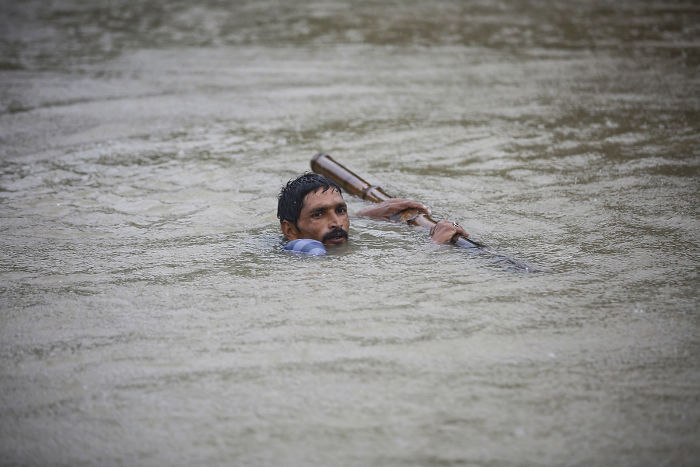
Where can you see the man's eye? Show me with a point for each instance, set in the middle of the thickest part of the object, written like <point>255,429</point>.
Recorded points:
<point>342,210</point>
<point>316,215</point>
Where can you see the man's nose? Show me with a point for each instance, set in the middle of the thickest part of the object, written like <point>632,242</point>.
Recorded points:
<point>335,220</point>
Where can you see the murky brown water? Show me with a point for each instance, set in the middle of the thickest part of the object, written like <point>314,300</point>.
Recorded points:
<point>148,317</point>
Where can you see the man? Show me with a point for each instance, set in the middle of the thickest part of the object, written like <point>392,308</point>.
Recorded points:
<point>313,215</point>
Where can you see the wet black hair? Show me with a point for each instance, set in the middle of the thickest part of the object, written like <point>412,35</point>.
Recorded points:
<point>291,198</point>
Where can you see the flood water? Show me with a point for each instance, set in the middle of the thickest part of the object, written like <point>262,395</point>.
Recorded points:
<point>149,317</point>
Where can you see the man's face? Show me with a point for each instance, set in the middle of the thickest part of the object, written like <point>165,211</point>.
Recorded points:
<point>323,217</point>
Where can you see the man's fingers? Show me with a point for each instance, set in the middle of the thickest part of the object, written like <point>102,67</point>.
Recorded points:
<point>448,230</point>
<point>408,204</point>
<point>422,207</point>
<point>459,233</point>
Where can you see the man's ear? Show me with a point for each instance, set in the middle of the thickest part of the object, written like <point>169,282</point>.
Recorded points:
<point>290,231</point>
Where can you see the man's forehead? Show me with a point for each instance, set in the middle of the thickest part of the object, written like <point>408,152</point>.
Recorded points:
<point>331,195</point>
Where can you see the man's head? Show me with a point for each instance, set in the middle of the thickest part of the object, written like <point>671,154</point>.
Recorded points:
<point>311,206</point>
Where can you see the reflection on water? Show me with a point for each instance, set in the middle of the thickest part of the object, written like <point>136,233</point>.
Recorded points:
<point>149,315</point>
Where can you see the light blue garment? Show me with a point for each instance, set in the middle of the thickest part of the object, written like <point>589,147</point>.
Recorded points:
<point>306,246</point>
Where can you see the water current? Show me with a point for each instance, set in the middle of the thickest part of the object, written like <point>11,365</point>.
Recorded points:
<point>149,317</point>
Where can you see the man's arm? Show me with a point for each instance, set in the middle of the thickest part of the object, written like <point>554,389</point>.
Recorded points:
<point>388,208</point>
<point>443,232</point>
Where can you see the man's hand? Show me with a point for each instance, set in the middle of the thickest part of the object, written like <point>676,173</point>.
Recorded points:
<point>447,232</point>
<point>388,208</point>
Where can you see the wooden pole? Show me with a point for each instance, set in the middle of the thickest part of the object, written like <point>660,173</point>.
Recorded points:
<point>352,183</point>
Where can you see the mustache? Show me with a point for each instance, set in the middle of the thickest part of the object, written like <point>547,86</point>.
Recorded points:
<point>337,232</point>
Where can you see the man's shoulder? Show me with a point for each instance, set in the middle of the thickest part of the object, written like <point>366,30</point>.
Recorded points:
<point>307,246</point>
